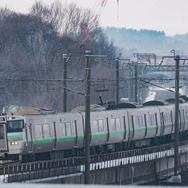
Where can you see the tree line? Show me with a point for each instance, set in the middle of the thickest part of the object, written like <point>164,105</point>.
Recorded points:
<point>147,41</point>
<point>31,49</point>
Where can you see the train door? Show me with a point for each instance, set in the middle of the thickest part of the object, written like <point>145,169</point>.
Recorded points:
<point>55,135</point>
<point>173,122</point>
<point>139,126</point>
<point>146,125</point>
<point>108,130</point>
<point>166,120</point>
<point>69,131</point>
<point>76,134</point>
<point>152,124</point>
<point>131,128</point>
<point>29,137</point>
<point>186,117</point>
<point>157,125</point>
<point>3,137</point>
<point>162,123</point>
<point>181,120</point>
<point>125,132</point>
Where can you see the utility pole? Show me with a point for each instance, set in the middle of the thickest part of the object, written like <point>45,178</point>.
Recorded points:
<point>176,178</point>
<point>65,57</point>
<point>87,132</point>
<point>87,117</point>
<point>176,144</point>
<point>130,84</point>
<point>117,82</point>
<point>135,82</point>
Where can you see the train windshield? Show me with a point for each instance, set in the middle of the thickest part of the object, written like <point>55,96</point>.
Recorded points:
<point>15,126</point>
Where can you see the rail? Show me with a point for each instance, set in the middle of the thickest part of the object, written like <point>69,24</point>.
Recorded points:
<point>71,166</point>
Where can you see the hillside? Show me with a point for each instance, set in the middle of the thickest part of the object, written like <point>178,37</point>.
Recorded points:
<point>147,41</point>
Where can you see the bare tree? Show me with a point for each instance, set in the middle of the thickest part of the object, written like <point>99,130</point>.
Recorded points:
<point>31,48</point>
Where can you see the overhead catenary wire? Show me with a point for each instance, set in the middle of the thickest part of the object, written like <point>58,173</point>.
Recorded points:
<point>71,64</point>
<point>79,92</point>
<point>94,82</point>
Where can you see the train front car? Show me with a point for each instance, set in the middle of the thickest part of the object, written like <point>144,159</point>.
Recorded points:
<point>12,137</point>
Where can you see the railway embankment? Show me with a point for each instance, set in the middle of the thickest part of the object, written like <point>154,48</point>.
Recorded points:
<point>141,166</point>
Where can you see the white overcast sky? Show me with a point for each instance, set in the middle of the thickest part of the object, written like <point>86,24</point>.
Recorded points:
<point>170,16</point>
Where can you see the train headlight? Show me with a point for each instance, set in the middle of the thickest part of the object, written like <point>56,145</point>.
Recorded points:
<point>10,118</point>
<point>14,143</point>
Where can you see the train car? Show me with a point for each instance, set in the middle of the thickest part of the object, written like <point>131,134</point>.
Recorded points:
<point>183,120</point>
<point>12,137</point>
<point>52,136</point>
<point>144,125</point>
<point>167,121</point>
<point>183,117</point>
<point>107,129</point>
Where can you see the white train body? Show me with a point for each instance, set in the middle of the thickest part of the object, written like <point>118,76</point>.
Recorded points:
<point>62,135</point>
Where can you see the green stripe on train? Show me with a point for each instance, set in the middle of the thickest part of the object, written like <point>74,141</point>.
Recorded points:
<point>65,139</point>
<point>50,140</point>
<point>15,136</point>
<point>151,128</point>
<point>99,135</point>
<point>80,138</point>
<point>116,133</point>
<point>44,141</point>
<point>69,139</point>
<point>143,129</point>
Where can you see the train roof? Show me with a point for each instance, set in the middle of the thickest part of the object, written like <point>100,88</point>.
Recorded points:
<point>155,103</point>
<point>93,107</point>
<point>33,111</point>
<point>172,100</point>
<point>128,105</point>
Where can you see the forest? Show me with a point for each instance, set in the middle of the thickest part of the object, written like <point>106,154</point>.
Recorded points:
<point>31,57</point>
<point>146,41</point>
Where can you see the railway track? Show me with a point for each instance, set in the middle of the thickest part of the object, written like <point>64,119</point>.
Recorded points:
<point>4,163</point>
<point>128,153</point>
<point>18,172</point>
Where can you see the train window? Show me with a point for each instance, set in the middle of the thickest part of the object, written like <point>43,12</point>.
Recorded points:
<point>167,118</point>
<point>14,126</point>
<point>1,132</point>
<point>139,121</point>
<point>173,117</point>
<point>180,119</point>
<point>67,129</point>
<point>113,124</point>
<point>183,119</point>
<point>66,126</point>
<point>116,124</point>
<point>61,129</point>
<point>98,126</point>
<point>37,132</point>
<point>101,125</point>
<point>152,120</point>
<point>186,113</point>
<point>95,126</point>
<point>46,130</point>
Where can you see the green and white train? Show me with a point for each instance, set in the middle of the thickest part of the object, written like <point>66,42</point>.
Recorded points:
<point>53,136</point>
